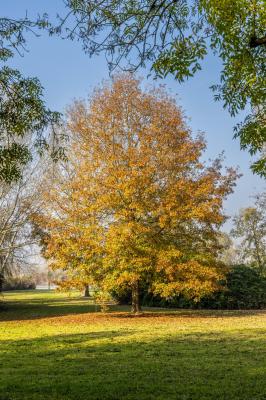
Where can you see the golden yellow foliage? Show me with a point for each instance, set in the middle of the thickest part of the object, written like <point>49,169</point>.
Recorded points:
<point>137,204</point>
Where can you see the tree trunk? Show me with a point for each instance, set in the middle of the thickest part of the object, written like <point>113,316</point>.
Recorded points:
<point>86,291</point>
<point>257,250</point>
<point>136,308</point>
<point>1,282</point>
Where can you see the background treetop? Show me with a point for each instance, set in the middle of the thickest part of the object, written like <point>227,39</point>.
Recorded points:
<point>250,228</point>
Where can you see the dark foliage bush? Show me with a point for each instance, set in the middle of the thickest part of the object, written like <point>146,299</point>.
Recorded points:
<point>243,288</point>
<point>24,283</point>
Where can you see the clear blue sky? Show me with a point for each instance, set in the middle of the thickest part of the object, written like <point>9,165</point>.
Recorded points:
<point>67,73</point>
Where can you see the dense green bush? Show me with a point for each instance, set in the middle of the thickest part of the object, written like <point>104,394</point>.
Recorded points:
<point>243,288</point>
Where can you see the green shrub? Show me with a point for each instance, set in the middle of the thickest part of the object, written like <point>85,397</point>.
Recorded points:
<point>243,288</point>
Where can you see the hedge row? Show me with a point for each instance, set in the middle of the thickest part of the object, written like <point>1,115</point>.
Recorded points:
<point>243,288</point>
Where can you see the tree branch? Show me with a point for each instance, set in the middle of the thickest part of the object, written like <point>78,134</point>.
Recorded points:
<point>256,42</point>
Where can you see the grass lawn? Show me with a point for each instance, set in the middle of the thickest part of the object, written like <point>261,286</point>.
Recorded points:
<point>58,347</point>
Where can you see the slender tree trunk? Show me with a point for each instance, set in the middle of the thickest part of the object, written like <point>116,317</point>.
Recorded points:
<point>86,291</point>
<point>257,250</point>
<point>49,278</point>
<point>1,281</point>
<point>136,308</point>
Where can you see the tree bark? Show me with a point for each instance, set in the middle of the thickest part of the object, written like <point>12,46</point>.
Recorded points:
<point>136,307</point>
<point>257,248</point>
<point>1,282</point>
<point>256,42</point>
<point>86,291</point>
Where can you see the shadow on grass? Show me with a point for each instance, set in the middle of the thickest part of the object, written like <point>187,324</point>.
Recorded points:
<point>189,313</point>
<point>43,307</point>
<point>31,308</point>
<point>114,365</point>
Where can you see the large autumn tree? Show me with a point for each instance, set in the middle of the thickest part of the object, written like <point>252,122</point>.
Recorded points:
<point>135,203</point>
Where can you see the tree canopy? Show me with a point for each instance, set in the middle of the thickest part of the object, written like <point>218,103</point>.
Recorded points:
<point>22,107</point>
<point>174,36</point>
<point>250,227</point>
<point>135,203</point>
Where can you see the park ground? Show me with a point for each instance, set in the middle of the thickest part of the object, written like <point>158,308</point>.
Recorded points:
<point>59,347</point>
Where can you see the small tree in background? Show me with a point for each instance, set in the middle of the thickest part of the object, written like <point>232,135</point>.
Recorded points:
<point>139,205</point>
<point>18,201</point>
<point>250,227</point>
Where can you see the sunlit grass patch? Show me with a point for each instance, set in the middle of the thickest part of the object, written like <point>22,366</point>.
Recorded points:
<point>59,347</point>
